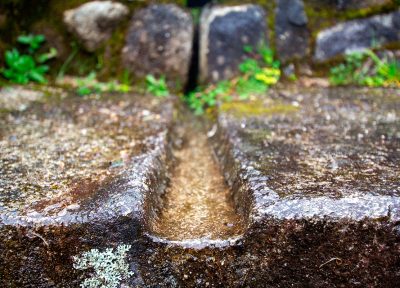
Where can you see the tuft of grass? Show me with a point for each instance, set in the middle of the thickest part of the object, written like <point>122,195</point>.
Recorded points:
<point>365,68</point>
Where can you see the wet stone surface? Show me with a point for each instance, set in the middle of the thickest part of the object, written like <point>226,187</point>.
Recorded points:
<point>197,204</point>
<point>326,146</point>
<point>56,155</point>
<point>326,227</point>
<point>313,175</point>
<point>76,173</point>
<point>317,174</point>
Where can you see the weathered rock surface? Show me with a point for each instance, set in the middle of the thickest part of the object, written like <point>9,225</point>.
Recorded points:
<point>159,42</point>
<point>291,31</point>
<point>18,98</point>
<point>314,175</point>
<point>94,22</point>
<point>76,174</point>
<point>224,31</point>
<point>357,35</point>
<point>317,174</point>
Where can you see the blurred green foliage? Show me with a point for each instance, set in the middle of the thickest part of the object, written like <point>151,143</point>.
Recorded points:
<point>157,87</point>
<point>365,68</point>
<point>89,85</point>
<point>22,68</point>
<point>257,73</point>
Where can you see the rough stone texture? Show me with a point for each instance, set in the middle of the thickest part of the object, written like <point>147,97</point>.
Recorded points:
<point>335,220</point>
<point>159,42</point>
<point>76,174</point>
<point>332,144</point>
<point>291,32</point>
<point>317,174</point>
<point>358,34</point>
<point>94,22</point>
<point>224,31</point>
<point>313,172</point>
<point>18,98</point>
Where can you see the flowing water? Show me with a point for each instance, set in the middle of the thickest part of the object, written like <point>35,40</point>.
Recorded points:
<point>197,203</point>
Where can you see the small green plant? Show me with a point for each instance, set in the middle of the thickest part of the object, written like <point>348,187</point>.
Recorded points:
<point>89,85</point>
<point>156,87</point>
<point>196,13</point>
<point>200,98</point>
<point>109,267</point>
<point>22,68</point>
<point>258,73</point>
<point>65,65</point>
<point>365,68</point>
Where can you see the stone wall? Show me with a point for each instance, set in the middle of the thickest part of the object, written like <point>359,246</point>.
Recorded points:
<point>307,33</point>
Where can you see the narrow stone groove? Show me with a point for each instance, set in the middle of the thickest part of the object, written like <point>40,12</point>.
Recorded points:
<point>197,204</point>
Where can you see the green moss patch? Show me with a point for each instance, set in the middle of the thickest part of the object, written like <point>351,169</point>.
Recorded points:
<point>257,108</point>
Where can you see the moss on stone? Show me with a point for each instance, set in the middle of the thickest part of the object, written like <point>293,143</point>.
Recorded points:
<point>322,16</point>
<point>257,108</point>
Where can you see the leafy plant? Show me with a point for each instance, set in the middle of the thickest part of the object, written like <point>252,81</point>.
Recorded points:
<point>201,98</point>
<point>33,41</point>
<point>109,267</point>
<point>366,69</point>
<point>258,72</point>
<point>156,87</point>
<point>22,68</point>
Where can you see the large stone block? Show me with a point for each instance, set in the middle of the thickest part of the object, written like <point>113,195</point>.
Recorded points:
<point>159,42</point>
<point>313,173</point>
<point>76,174</point>
<point>94,22</point>
<point>224,31</point>
<point>291,32</point>
<point>357,35</point>
<point>317,174</point>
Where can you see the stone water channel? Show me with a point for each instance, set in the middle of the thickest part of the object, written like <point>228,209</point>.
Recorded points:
<point>198,204</point>
<point>300,188</point>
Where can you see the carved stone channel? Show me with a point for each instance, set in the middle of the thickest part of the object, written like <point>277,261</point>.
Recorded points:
<point>198,206</point>
<point>312,191</point>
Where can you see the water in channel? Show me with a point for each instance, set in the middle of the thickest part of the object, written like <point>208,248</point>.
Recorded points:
<point>197,203</point>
